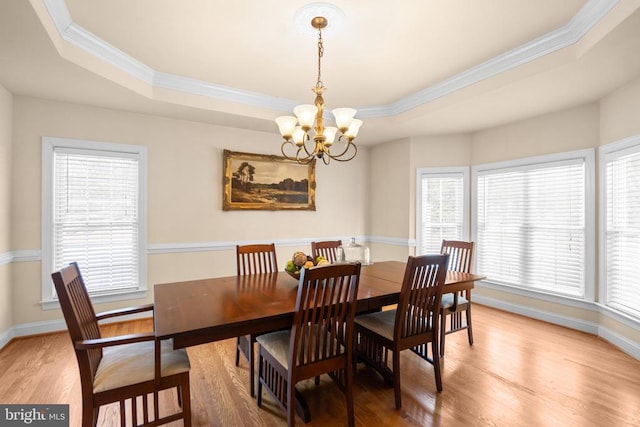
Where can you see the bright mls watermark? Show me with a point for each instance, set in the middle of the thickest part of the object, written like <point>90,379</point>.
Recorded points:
<point>35,415</point>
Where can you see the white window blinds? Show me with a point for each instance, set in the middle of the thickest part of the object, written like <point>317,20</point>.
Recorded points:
<point>442,210</point>
<point>96,217</point>
<point>622,229</point>
<point>531,225</point>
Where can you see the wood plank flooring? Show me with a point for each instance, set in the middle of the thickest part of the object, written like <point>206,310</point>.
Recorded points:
<point>519,372</point>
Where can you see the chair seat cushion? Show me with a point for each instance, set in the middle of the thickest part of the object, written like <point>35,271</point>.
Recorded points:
<point>278,343</point>
<point>381,322</point>
<point>128,364</point>
<point>447,300</point>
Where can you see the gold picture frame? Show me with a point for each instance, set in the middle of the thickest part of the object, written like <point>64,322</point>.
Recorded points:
<point>267,182</point>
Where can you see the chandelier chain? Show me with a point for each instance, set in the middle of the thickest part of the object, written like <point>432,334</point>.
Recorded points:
<point>320,54</point>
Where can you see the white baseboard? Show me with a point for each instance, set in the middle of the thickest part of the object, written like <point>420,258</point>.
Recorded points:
<point>629,347</point>
<point>49,326</point>
<point>5,337</point>
<point>35,328</point>
<point>556,319</point>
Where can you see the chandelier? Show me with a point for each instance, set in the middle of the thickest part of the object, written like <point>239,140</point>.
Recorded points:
<point>296,130</point>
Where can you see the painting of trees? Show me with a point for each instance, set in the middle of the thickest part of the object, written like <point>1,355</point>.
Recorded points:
<point>243,177</point>
<point>255,181</point>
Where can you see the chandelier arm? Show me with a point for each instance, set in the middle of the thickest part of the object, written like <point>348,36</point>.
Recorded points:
<point>302,160</point>
<point>346,148</point>
<point>307,139</point>
<point>338,158</point>
<point>282,148</point>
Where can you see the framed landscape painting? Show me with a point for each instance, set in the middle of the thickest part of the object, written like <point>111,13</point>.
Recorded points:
<point>265,182</point>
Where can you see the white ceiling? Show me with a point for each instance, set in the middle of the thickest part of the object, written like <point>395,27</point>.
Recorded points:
<point>411,67</point>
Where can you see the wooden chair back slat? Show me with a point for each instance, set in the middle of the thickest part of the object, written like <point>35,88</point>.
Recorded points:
<point>418,307</point>
<point>79,316</point>
<point>460,254</point>
<point>327,249</point>
<point>325,308</point>
<point>461,257</point>
<point>256,259</point>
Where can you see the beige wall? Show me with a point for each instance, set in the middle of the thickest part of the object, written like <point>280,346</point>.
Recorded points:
<point>6,101</point>
<point>390,194</point>
<point>184,193</point>
<point>435,152</point>
<point>568,130</point>
<point>620,112</point>
<point>393,187</point>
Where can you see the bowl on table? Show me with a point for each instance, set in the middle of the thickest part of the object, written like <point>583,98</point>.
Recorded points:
<point>300,260</point>
<point>294,274</point>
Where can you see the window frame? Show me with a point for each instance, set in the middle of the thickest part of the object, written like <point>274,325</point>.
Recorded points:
<point>463,171</point>
<point>588,156</point>
<point>611,151</point>
<point>49,145</point>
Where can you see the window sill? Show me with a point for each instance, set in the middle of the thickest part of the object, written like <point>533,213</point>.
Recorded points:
<point>53,304</point>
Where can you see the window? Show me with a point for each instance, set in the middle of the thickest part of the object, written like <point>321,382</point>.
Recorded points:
<point>94,214</point>
<point>534,223</point>
<point>442,207</point>
<point>620,225</point>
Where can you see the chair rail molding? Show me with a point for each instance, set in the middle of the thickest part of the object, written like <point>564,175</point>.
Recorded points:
<point>221,245</point>
<point>20,256</point>
<point>6,258</point>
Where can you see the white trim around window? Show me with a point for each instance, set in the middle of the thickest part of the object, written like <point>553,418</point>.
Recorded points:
<point>619,237</point>
<point>457,226</point>
<point>126,169</point>
<point>542,178</point>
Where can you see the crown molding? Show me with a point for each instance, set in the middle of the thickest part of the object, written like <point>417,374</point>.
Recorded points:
<point>592,12</point>
<point>59,14</point>
<point>102,50</point>
<point>563,37</point>
<point>227,93</point>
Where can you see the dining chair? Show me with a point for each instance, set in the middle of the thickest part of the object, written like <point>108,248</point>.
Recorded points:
<point>253,259</point>
<point>411,325</point>
<point>320,339</point>
<point>121,368</point>
<point>327,249</point>
<point>454,304</point>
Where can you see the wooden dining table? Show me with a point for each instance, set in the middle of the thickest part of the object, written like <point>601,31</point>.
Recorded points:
<point>201,311</point>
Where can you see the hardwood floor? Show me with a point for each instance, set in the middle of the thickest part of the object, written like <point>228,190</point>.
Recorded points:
<point>519,372</point>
